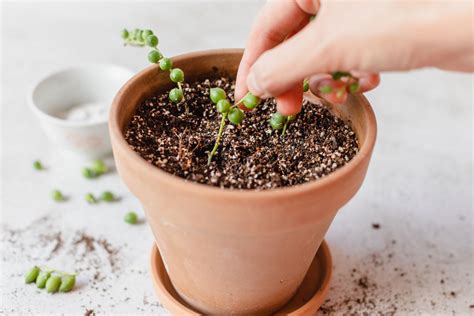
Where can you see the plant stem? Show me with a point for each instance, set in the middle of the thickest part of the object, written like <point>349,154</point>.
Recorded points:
<point>284,128</point>
<point>44,268</point>
<point>219,135</point>
<point>134,43</point>
<point>180,87</point>
<point>240,101</point>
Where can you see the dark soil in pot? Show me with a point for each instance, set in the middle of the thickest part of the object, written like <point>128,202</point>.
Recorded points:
<point>251,155</point>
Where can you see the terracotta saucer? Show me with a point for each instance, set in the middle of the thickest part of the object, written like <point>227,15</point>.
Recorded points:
<point>306,301</point>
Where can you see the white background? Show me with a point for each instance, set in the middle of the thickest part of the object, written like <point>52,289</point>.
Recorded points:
<point>418,188</point>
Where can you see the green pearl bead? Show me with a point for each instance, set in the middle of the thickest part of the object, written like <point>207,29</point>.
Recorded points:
<point>276,125</point>
<point>38,165</point>
<point>305,85</point>
<point>99,167</point>
<point>177,75</point>
<point>134,33</point>
<point>154,56</point>
<point>223,106</point>
<point>146,33</point>
<point>354,87</point>
<point>151,40</point>
<point>90,198</point>
<point>236,116</point>
<point>131,218</point>
<point>31,275</point>
<point>325,89</point>
<point>57,196</point>
<point>67,283</point>
<point>138,35</point>
<point>277,121</point>
<point>125,34</point>
<point>340,74</point>
<point>43,276</point>
<point>278,118</point>
<point>107,196</point>
<point>165,63</point>
<point>250,101</point>
<point>217,94</point>
<point>89,173</point>
<point>53,284</point>
<point>175,95</point>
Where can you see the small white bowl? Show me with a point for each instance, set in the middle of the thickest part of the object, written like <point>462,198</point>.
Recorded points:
<point>58,93</point>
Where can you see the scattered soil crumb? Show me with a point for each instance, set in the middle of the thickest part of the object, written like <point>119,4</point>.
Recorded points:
<point>86,240</point>
<point>89,312</point>
<point>84,244</point>
<point>375,225</point>
<point>363,282</point>
<point>45,242</point>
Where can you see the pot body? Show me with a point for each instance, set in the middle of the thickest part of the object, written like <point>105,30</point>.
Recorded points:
<point>230,252</point>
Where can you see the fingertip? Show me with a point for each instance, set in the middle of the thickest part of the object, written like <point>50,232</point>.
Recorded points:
<point>240,82</point>
<point>315,80</point>
<point>243,107</point>
<point>254,86</point>
<point>239,92</point>
<point>369,82</point>
<point>290,102</point>
<point>333,91</point>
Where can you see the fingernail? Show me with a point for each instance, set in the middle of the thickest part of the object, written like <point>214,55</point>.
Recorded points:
<point>255,88</point>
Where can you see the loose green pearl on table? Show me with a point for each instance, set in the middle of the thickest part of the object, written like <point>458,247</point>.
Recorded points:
<point>131,218</point>
<point>107,196</point>
<point>53,284</point>
<point>43,276</point>
<point>99,167</point>
<point>57,196</point>
<point>67,283</point>
<point>32,274</point>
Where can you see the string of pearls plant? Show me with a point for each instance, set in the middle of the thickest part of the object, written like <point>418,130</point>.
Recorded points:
<point>141,38</point>
<point>233,113</point>
<point>218,96</point>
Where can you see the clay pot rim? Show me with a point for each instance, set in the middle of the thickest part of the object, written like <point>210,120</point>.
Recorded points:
<point>208,190</point>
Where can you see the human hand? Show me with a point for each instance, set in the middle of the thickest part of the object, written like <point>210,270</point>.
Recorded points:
<point>363,37</point>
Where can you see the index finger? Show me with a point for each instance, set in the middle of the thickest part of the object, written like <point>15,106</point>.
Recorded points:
<point>274,23</point>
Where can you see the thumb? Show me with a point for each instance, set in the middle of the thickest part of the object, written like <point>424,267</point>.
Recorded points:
<point>283,67</point>
<point>291,101</point>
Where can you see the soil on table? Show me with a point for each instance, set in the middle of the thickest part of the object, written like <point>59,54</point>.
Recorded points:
<point>251,155</point>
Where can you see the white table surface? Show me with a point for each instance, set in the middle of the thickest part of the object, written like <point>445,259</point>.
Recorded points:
<point>418,188</point>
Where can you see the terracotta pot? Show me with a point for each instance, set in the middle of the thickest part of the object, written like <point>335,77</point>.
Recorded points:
<point>230,251</point>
